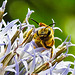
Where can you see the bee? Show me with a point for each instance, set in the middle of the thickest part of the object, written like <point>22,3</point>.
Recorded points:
<point>44,37</point>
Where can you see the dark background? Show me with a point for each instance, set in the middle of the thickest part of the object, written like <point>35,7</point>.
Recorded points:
<point>62,11</point>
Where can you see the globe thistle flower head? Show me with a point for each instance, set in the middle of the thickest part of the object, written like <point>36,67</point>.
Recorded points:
<point>25,53</point>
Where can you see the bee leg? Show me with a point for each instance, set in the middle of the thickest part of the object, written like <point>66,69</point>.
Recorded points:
<point>51,53</point>
<point>47,47</point>
<point>44,45</point>
<point>17,54</point>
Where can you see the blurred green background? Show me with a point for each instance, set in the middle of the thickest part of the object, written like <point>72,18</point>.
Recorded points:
<point>62,11</point>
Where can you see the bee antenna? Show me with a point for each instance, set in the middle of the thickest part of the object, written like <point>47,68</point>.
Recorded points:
<point>34,21</point>
<point>52,24</point>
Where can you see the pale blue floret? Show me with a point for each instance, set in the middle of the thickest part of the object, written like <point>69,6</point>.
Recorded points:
<point>25,64</point>
<point>2,44</point>
<point>3,6</point>
<point>28,15</point>
<point>27,46</point>
<point>52,68</point>
<point>11,24</point>
<point>16,67</point>
<point>9,46</point>
<point>66,71</point>
<point>33,63</point>
<point>2,58</point>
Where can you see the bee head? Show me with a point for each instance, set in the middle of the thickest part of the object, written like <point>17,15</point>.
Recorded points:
<point>43,33</point>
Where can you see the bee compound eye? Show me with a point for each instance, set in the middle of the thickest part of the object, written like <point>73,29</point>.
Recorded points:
<point>49,31</point>
<point>37,33</point>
